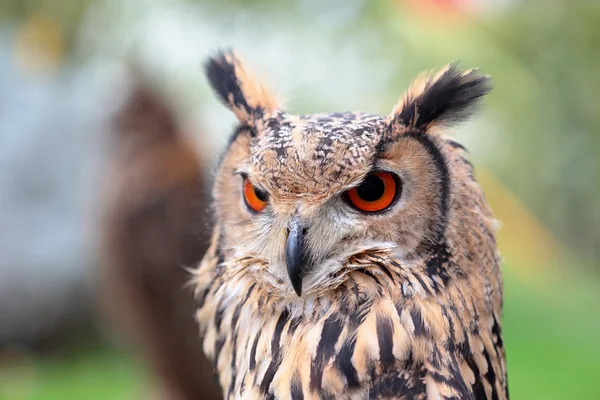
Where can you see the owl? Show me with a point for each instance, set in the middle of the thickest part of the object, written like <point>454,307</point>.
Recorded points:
<point>353,255</point>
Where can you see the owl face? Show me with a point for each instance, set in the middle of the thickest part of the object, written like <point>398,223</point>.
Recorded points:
<point>301,198</point>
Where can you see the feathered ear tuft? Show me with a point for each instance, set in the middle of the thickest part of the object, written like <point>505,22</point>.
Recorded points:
<point>447,97</point>
<point>238,88</point>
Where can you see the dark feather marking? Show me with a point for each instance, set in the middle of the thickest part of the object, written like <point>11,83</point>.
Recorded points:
<point>283,318</point>
<point>452,341</point>
<point>457,145</point>
<point>436,265</point>
<point>250,290</point>
<point>259,302</point>
<point>422,283</point>
<point>389,385</point>
<point>215,376</point>
<point>497,331</point>
<point>201,298</point>
<point>294,323</point>
<point>242,128</point>
<point>477,387</point>
<point>418,322</point>
<point>269,375</point>
<point>454,378</point>
<point>344,300</point>
<point>358,316</point>
<point>232,366</point>
<point>343,361</point>
<point>239,130</point>
<point>236,316</point>
<point>244,377</point>
<point>409,362</point>
<point>395,264</point>
<point>274,124</point>
<point>418,383</point>
<point>438,227</point>
<point>456,382</point>
<point>234,323</point>
<point>386,271</point>
<point>449,380</point>
<point>399,309</point>
<point>355,290</point>
<point>332,327</point>
<point>275,354</point>
<point>463,347</point>
<point>252,361</point>
<point>369,274</point>
<point>490,375</point>
<point>296,388</point>
<point>323,395</point>
<point>219,318</point>
<point>220,256</point>
<point>498,348</point>
<point>218,347</point>
<point>468,162</point>
<point>385,338</point>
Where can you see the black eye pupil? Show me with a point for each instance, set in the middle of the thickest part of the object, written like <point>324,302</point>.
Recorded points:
<point>261,194</point>
<point>371,189</point>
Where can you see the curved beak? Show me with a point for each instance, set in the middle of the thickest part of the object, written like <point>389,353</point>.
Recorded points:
<point>295,255</point>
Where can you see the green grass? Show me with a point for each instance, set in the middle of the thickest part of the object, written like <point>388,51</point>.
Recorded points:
<point>88,374</point>
<point>551,333</point>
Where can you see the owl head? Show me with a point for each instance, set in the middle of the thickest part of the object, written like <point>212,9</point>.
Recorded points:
<point>299,199</point>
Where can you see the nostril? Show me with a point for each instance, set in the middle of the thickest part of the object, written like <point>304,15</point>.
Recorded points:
<point>304,231</point>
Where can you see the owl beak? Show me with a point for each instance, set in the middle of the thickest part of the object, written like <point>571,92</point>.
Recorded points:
<point>295,256</point>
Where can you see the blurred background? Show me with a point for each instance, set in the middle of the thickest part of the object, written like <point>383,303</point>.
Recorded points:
<point>108,128</point>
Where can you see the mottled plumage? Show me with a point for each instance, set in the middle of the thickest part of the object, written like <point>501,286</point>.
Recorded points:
<point>404,303</point>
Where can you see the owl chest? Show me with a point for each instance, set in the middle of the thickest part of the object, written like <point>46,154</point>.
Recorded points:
<point>262,347</point>
<point>260,355</point>
<point>278,355</point>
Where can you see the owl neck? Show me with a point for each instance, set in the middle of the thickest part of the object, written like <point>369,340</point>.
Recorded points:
<point>222,282</point>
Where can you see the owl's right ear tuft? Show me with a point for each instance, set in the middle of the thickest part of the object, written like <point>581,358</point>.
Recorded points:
<point>444,98</point>
<point>247,97</point>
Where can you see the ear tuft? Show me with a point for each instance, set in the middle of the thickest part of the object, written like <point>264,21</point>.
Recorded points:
<point>447,97</point>
<point>237,88</point>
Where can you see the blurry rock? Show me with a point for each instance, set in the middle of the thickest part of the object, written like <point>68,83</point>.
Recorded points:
<point>153,226</point>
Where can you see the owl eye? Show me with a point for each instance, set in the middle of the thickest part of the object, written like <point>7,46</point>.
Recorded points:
<point>255,198</point>
<point>378,191</point>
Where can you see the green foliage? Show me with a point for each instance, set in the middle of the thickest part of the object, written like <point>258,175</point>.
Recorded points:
<point>551,336</point>
<point>89,373</point>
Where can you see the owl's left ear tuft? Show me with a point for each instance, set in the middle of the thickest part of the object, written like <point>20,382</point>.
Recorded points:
<point>247,97</point>
<point>450,96</point>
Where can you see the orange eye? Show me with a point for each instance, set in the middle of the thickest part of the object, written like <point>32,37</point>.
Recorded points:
<point>255,199</point>
<point>377,192</point>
